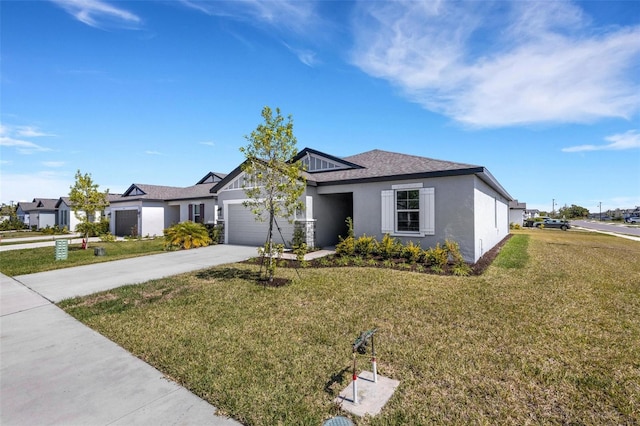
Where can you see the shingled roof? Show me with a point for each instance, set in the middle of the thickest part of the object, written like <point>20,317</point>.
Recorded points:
<point>383,165</point>
<point>378,165</point>
<point>141,191</point>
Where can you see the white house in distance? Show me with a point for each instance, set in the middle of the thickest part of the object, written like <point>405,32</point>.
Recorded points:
<point>149,209</point>
<point>516,212</point>
<point>67,218</point>
<point>412,198</point>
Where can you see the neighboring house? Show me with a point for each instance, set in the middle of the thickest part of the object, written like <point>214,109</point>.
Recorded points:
<point>517,212</point>
<point>531,213</point>
<point>149,209</point>
<point>22,211</point>
<point>412,198</point>
<point>39,213</point>
<point>67,218</point>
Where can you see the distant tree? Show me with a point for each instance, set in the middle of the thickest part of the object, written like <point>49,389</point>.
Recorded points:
<point>573,212</point>
<point>273,183</point>
<point>86,200</point>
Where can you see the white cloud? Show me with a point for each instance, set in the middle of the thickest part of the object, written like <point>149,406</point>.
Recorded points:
<point>306,56</point>
<point>30,132</point>
<point>618,142</point>
<point>297,16</point>
<point>23,147</point>
<point>148,152</point>
<point>12,137</point>
<point>285,17</point>
<point>208,143</point>
<point>501,64</point>
<point>99,14</point>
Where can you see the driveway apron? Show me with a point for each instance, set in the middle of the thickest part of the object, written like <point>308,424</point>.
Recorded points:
<point>54,370</point>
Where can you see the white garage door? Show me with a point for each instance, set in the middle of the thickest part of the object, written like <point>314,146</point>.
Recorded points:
<point>245,230</point>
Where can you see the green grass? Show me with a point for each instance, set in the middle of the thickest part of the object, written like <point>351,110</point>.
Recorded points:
<point>514,254</point>
<point>29,261</point>
<point>551,340</point>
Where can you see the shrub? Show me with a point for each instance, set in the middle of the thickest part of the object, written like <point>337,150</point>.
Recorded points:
<point>215,232</point>
<point>437,257</point>
<point>365,245</point>
<point>186,235</point>
<point>346,246</point>
<point>453,251</point>
<point>389,247</point>
<point>412,252</point>
<point>108,237</point>
<point>299,244</point>
<point>461,269</point>
<point>514,225</point>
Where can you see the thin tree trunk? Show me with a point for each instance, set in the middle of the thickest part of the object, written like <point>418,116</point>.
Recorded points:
<point>270,245</point>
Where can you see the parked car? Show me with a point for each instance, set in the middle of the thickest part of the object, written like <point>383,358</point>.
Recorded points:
<point>632,219</point>
<point>554,223</point>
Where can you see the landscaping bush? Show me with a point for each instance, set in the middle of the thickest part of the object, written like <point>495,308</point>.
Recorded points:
<point>412,252</point>
<point>437,257</point>
<point>389,247</point>
<point>365,245</point>
<point>186,235</point>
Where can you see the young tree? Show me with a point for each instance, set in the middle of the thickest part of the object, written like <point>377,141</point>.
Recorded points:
<point>273,183</point>
<point>86,200</point>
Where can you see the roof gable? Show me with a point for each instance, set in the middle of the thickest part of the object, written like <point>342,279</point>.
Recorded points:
<point>316,161</point>
<point>211,177</point>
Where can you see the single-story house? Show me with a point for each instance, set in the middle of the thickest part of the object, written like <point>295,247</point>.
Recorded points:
<point>516,212</point>
<point>149,209</point>
<point>412,198</point>
<point>67,218</point>
<point>41,212</point>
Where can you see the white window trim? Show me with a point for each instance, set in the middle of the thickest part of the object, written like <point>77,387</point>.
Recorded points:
<point>427,211</point>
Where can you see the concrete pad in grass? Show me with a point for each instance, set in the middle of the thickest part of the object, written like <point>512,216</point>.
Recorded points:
<point>372,396</point>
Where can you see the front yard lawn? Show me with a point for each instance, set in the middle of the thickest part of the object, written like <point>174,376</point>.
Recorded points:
<point>547,335</point>
<point>30,261</point>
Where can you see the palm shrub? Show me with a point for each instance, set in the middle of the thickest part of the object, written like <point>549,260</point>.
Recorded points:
<point>186,235</point>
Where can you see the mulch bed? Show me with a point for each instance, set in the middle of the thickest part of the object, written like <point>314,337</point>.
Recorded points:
<point>331,261</point>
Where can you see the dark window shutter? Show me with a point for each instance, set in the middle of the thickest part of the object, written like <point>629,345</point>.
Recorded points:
<point>191,212</point>
<point>201,213</point>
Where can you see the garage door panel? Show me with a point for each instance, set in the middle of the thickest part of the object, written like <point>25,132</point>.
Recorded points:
<point>125,221</point>
<point>243,229</point>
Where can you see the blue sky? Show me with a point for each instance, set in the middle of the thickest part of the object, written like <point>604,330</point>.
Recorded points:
<point>542,93</point>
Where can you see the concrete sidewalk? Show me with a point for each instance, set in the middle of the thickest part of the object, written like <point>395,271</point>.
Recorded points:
<point>54,370</point>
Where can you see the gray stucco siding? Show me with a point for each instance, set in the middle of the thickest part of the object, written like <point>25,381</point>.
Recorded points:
<point>453,211</point>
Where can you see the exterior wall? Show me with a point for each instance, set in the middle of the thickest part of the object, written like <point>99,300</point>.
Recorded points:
<point>516,216</point>
<point>453,210</point>
<point>66,217</point>
<point>210,210</point>
<point>42,219</point>
<point>491,218</point>
<point>152,218</point>
<point>22,215</point>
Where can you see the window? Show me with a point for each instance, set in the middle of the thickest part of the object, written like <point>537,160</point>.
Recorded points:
<point>196,213</point>
<point>408,209</point>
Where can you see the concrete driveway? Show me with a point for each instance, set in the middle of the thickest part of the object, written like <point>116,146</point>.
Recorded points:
<point>54,370</point>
